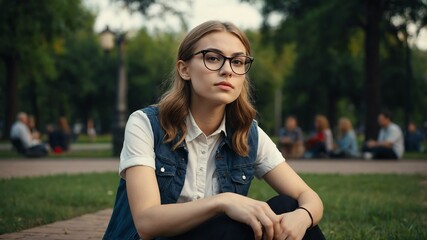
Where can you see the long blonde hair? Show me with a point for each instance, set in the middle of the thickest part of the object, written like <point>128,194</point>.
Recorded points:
<point>345,125</point>
<point>175,103</point>
<point>322,123</point>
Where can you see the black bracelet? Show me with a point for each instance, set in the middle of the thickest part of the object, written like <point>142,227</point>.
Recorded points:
<point>309,214</point>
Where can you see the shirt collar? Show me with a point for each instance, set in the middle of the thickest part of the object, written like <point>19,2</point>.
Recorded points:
<point>193,131</point>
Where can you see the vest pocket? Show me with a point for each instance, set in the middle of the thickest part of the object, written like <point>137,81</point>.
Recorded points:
<point>165,171</point>
<point>241,177</point>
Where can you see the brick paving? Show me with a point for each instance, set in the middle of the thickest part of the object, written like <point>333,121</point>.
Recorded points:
<point>39,167</point>
<point>92,226</point>
<point>89,226</point>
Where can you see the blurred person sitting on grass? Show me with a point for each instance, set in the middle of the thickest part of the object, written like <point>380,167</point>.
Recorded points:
<point>22,139</point>
<point>321,143</point>
<point>413,138</point>
<point>187,163</point>
<point>59,138</point>
<point>390,143</point>
<point>346,145</point>
<point>35,134</point>
<point>291,139</point>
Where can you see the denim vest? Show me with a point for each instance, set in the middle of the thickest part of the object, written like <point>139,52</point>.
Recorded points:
<point>234,174</point>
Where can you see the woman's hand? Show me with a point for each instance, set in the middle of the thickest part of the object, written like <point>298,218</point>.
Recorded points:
<point>294,225</point>
<point>256,214</point>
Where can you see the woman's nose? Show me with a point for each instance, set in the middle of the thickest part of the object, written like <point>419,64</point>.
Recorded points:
<point>226,70</point>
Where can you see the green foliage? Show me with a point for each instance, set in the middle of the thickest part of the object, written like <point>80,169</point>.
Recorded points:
<point>32,33</point>
<point>315,57</point>
<point>151,61</point>
<point>330,70</point>
<point>266,76</point>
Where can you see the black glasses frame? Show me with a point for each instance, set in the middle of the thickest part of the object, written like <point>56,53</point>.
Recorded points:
<point>251,60</point>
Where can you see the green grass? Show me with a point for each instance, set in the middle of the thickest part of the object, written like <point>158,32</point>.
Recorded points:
<point>105,138</point>
<point>415,155</point>
<point>366,206</point>
<point>356,207</point>
<point>29,202</point>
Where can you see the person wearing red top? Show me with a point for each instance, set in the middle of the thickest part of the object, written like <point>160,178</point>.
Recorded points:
<point>321,143</point>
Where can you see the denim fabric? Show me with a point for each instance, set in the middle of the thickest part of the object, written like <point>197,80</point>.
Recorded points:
<point>234,173</point>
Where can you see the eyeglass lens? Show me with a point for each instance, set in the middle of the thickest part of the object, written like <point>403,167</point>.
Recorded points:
<point>239,64</point>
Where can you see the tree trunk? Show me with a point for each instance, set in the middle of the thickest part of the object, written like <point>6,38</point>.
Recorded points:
<point>332,110</point>
<point>11,93</point>
<point>372,68</point>
<point>34,104</point>
<point>408,110</point>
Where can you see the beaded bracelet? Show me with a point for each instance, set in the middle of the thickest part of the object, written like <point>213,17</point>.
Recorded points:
<point>309,214</point>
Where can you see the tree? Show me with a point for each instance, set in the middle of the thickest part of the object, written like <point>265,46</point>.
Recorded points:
<point>28,29</point>
<point>331,23</point>
<point>163,8</point>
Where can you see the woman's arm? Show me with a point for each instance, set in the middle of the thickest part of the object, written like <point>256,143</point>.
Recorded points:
<point>153,219</point>
<point>285,181</point>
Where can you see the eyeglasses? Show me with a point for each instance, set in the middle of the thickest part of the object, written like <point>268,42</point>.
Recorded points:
<point>214,61</point>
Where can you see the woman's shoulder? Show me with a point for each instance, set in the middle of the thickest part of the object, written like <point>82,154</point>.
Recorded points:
<point>150,110</point>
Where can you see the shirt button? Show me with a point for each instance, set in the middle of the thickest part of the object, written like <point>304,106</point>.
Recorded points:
<point>162,169</point>
<point>201,169</point>
<point>203,152</point>
<point>244,177</point>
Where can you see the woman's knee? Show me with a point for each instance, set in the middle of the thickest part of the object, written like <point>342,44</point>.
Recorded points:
<point>282,204</point>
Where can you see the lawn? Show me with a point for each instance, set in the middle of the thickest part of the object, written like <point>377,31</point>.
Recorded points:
<point>356,206</point>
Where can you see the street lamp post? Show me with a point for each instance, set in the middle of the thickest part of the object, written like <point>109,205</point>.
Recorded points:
<point>107,39</point>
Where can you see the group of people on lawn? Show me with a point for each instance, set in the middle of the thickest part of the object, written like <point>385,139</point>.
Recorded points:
<point>26,139</point>
<point>390,144</point>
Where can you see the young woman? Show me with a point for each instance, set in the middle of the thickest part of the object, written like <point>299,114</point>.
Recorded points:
<point>321,143</point>
<point>187,163</point>
<point>346,146</point>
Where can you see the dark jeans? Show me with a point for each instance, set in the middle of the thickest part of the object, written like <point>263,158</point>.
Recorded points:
<point>381,152</point>
<point>224,228</point>
<point>318,150</point>
<point>31,152</point>
<point>59,139</point>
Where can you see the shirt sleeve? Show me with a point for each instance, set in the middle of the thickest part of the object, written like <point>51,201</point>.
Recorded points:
<point>394,134</point>
<point>300,136</point>
<point>268,156</point>
<point>138,145</point>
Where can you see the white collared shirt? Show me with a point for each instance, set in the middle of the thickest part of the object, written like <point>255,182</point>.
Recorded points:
<point>200,179</point>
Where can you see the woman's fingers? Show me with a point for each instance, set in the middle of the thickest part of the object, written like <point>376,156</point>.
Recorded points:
<point>257,228</point>
<point>267,224</point>
<point>256,214</point>
<point>270,221</point>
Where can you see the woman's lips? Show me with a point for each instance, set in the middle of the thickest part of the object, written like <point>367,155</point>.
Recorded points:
<point>225,85</point>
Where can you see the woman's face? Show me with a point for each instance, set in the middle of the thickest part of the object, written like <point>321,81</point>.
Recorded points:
<point>214,87</point>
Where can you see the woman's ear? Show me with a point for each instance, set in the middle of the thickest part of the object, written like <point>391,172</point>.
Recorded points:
<point>183,70</point>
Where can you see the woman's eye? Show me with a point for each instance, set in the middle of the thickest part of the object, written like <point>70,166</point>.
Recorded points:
<point>237,62</point>
<point>212,59</point>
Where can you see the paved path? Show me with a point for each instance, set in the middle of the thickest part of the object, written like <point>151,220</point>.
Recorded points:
<point>89,226</point>
<point>39,167</point>
<point>92,226</point>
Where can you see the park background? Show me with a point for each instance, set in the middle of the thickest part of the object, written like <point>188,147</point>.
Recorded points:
<point>338,58</point>
<point>349,58</point>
